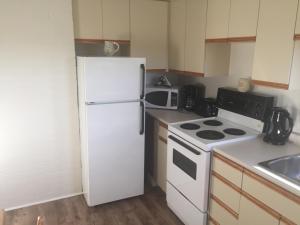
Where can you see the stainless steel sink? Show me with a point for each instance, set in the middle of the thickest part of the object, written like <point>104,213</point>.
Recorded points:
<point>287,167</point>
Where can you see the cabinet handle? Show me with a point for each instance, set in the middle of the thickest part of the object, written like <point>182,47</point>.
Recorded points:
<point>184,145</point>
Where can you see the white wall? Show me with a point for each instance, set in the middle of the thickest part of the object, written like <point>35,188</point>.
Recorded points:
<point>39,134</point>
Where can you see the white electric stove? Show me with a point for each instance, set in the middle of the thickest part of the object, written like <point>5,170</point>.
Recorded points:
<point>190,144</point>
<point>210,132</point>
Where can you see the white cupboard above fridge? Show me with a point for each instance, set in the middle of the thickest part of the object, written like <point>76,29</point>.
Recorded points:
<point>116,17</point>
<point>149,32</point>
<point>98,20</point>
<point>87,18</point>
<point>187,36</point>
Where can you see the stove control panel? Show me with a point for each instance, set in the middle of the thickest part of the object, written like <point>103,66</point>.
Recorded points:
<point>251,104</point>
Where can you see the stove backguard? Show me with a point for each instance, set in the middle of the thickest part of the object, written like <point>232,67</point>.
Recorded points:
<point>250,104</point>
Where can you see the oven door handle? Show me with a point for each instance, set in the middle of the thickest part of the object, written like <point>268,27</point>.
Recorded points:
<point>186,146</point>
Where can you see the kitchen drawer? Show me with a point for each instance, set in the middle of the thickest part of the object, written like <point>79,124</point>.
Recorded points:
<point>280,200</point>
<point>253,214</point>
<point>228,169</point>
<point>212,221</point>
<point>163,130</point>
<point>225,193</point>
<point>183,208</point>
<point>221,215</point>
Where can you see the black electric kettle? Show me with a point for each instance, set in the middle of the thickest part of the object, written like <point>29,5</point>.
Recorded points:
<point>279,126</point>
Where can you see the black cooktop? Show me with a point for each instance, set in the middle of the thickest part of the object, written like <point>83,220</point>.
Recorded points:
<point>210,135</point>
<point>234,131</point>
<point>190,126</point>
<point>214,123</point>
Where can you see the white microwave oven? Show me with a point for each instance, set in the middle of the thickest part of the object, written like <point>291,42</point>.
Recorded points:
<point>162,98</point>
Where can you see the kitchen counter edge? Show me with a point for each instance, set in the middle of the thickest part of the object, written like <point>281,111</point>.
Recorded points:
<point>172,116</point>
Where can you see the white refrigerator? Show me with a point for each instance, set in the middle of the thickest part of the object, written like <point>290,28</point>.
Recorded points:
<point>112,114</point>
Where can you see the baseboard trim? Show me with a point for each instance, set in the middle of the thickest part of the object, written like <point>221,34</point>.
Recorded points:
<point>42,202</point>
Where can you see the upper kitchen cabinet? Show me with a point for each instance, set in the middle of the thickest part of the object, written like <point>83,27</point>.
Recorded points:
<point>187,36</point>
<point>232,20</point>
<point>116,19</point>
<point>195,36</point>
<point>243,19</point>
<point>149,32</point>
<point>87,16</point>
<point>297,31</point>
<point>177,25</point>
<point>274,43</point>
<point>218,12</point>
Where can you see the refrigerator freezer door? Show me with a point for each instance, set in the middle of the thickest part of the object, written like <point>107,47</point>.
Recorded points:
<point>115,152</point>
<point>112,79</point>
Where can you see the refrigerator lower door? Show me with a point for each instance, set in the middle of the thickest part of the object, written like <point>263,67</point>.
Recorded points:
<point>115,151</point>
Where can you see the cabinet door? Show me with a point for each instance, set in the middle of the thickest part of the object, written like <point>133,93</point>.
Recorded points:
<point>283,223</point>
<point>87,16</point>
<point>149,32</point>
<point>162,164</point>
<point>116,20</point>
<point>177,34</point>
<point>298,21</point>
<point>195,35</point>
<point>221,215</point>
<point>274,41</point>
<point>217,19</point>
<point>251,214</point>
<point>243,18</point>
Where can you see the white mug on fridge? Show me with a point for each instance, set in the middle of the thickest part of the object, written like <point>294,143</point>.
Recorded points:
<point>111,48</point>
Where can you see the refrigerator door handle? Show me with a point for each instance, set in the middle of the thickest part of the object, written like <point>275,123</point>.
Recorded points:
<point>142,118</point>
<point>143,74</point>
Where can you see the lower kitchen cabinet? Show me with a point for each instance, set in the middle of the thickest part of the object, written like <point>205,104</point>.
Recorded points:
<point>156,151</point>
<point>281,201</point>
<point>239,196</point>
<point>161,171</point>
<point>251,213</point>
<point>210,222</point>
<point>221,215</point>
<point>160,152</point>
<point>232,197</point>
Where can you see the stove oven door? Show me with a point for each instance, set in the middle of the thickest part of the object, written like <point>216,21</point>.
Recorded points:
<point>188,171</point>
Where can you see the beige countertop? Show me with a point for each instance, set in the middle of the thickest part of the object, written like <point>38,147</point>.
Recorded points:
<point>251,152</point>
<point>172,116</point>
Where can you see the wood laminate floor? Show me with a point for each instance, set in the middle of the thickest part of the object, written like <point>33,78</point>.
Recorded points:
<point>149,209</point>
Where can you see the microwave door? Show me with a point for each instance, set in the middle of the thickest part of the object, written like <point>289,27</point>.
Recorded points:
<point>157,99</point>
